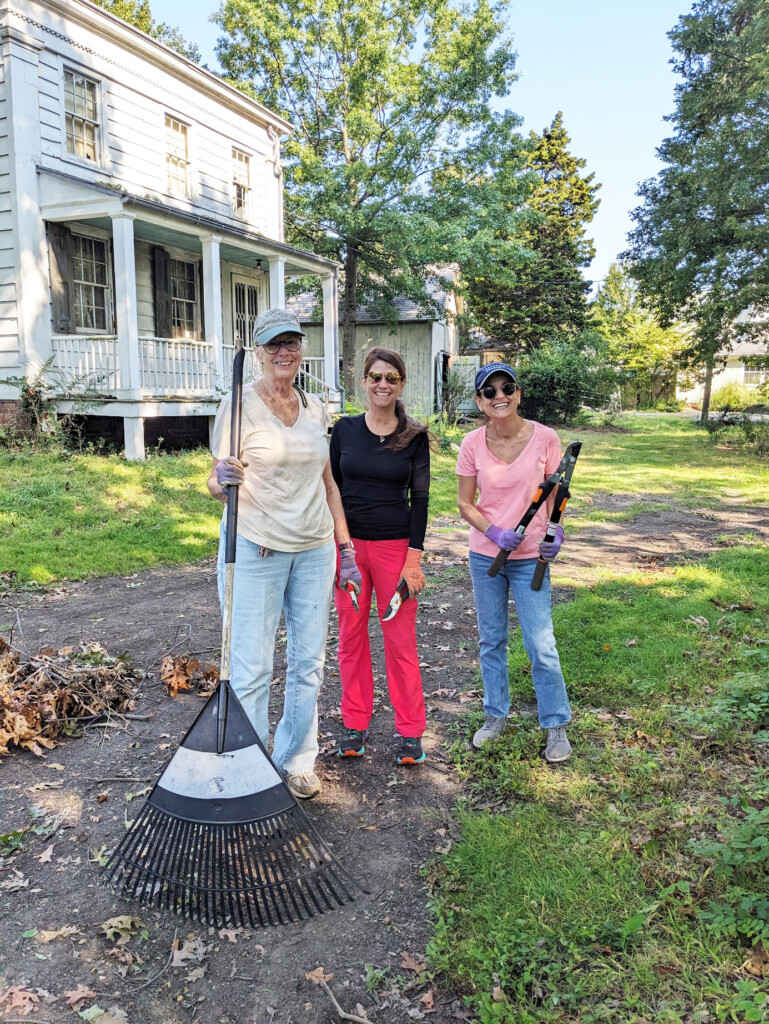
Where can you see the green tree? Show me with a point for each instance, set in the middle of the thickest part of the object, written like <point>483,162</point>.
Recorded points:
<point>138,14</point>
<point>645,354</point>
<point>390,167</point>
<point>548,296</point>
<point>701,237</point>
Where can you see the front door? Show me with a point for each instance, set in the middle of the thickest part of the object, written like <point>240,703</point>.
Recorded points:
<point>245,307</point>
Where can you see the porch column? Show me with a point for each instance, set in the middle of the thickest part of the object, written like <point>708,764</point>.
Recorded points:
<point>331,331</point>
<point>277,283</point>
<point>133,438</point>
<point>212,301</point>
<point>125,304</point>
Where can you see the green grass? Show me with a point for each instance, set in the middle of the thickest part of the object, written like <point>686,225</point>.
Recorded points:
<point>585,897</point>
<point>78,516</point>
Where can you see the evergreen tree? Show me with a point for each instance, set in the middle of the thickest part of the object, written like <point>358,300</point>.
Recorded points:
<point>138,14</point>
<point>389,169</point>
<point>699,247</point>
<point>548,296</point>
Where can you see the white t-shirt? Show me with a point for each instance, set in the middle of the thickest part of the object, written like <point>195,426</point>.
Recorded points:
<point>282,504</point>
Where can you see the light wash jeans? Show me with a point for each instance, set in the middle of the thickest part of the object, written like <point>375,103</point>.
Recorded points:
<point>299,584</point>
<point>534,615</point>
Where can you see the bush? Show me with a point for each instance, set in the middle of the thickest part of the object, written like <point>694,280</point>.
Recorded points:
<point>731,396</point>
<point>555,381</point>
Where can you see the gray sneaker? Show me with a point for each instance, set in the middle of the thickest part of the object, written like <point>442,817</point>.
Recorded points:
<point>558,747</point>
<point>304,785</point>
<point>491,730</point>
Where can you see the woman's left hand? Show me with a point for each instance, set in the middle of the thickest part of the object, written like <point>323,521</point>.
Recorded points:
<point>549,549</point>
<point>412,572</point>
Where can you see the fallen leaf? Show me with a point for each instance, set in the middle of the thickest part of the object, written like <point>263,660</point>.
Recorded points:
<point>79,995</point>
<point>361,1011</point>
<point>177,673</point>
<point>14,884</point>
<point>196,973</point>
<point>20,999</point>
<point>121,927</point>
<point>409,963</point>
<point>54,765</point>
<point>104,795</point>
<point>114,1016</point>
<point>230,933</point>
<point>665,970</point>
<point>498,994</point>
<point>427,1000</point>
<point>757,963</point>
<point>61,933</point>
<point>46,855</point>
<point>633,642</point>
<point>92,1013</point>
<point>318,975</point>
<point>188,951</point>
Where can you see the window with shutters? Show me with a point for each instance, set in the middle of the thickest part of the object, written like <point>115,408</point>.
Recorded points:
<point>183,280</point>
<point>81,116</point>
<point>90,283</point>
<point>177,156</point>
<point>241,183</point>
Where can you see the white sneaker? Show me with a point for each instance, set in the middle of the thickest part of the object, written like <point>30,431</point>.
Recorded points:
<point>304,785</point>
<point>491,730</point>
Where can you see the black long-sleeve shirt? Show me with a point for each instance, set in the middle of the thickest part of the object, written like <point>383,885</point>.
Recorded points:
<point>384,492</point>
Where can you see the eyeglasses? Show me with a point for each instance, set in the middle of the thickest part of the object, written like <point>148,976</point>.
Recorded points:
<point>291,345</point>
<point>508,388</point>
<point>391,377</point>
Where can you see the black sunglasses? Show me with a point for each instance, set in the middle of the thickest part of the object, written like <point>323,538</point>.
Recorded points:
<point>508,388</point>
<point>290,345</point>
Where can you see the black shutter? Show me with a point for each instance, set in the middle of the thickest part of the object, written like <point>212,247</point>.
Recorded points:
<point>61,275</point>
<point>202,307</point>
<point>161,291</point>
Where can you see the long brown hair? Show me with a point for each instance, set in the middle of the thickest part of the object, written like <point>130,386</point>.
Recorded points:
<point>408,427</point>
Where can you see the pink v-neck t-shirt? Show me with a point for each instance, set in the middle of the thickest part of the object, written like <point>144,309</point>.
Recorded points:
<point>505,490</point>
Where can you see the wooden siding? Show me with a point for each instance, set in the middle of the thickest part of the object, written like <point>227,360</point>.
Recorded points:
<point>135,96</point>
<point>9,323</point>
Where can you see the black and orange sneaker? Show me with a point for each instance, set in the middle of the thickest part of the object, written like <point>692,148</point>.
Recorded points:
<point>353,743</point>
<point>411,750</point>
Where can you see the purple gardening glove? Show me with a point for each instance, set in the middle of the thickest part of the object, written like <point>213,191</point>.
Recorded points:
<point>229,472</point>
<point>548,550</point>
<point>509,540</point>
<point>348,569</point>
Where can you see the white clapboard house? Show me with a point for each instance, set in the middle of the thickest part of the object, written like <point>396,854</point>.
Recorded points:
<point>141,224</point>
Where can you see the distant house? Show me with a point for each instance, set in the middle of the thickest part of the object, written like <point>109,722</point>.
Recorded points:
<point>734,371</point>
<point>141,219</point>
<point>427,343</point>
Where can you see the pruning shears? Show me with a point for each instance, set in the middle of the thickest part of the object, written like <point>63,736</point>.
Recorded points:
<point>560,478</point>
<point>400,595</point>
<point>353,592</point>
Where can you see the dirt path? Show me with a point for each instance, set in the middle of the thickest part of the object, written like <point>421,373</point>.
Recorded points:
<point>385,823</point>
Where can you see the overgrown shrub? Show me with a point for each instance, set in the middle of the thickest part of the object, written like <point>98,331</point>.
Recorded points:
<point>731,396</point>
<point>555,381</point>
<point>746,435</point>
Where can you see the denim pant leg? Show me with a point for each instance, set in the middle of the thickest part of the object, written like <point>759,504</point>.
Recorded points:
<point>535,616</point>
<point>306,606</point>
<point>491,595</point>
<point>257,600</point>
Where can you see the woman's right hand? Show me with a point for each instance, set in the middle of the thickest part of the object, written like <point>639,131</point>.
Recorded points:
<point>230,472</point>
<point>348,569</point>
<point>507,540</point>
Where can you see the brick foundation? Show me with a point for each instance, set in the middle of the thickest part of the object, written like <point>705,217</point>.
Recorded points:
<point>178,432</point>
<point>9,409</point>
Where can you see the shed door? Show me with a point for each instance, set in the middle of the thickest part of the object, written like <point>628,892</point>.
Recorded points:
<point>245,308</point>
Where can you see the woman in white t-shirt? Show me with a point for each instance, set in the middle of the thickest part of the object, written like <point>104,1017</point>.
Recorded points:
<point>289,510</point>
<point>499,467</point>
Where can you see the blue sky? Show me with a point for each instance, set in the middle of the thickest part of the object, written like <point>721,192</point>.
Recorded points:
<point>604,63</point>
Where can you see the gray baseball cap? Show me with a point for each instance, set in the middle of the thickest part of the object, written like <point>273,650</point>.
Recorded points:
<point>273,322</point>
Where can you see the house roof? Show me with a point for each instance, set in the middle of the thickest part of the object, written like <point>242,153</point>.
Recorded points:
<point>106,24</point>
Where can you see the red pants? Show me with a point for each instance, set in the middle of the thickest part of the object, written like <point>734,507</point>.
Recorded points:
<point>380,563</point>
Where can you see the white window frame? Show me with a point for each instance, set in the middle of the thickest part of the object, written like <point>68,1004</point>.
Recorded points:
<point>241,158</point>
<point>758,374</point>
<point>182,256</point>
<point>170,115</point>
<point>108,286</point>
<point>102,161</point>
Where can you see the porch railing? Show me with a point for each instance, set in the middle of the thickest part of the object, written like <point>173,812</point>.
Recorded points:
<point>86,361</point>
<point>310,376</point>
<point>175,366</point>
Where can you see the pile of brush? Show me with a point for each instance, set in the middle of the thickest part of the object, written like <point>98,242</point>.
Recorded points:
<point>57,692</point>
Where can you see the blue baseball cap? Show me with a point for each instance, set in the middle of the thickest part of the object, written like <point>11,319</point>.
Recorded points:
<point>489,370</point>
<point>273,322</point>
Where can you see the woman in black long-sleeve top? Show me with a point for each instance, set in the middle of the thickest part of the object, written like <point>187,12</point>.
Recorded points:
<point>381,463</point>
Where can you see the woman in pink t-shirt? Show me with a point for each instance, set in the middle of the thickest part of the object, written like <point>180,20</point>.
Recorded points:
<point>499,467</point>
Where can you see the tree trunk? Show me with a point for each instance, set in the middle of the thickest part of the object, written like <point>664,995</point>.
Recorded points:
<point>706,392</point>
<point>350,321</point>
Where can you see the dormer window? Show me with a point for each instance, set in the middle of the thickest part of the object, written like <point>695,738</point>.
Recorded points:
<point>241,183</point>
<point>177,156</point>
<point>81,111</point>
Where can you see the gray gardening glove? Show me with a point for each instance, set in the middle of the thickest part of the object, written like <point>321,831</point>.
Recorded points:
<point>348,569</point>
<point>229,472</point>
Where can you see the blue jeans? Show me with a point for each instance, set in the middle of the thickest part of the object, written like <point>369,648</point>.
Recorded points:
<point>299,584</point>
<point>534,615</point>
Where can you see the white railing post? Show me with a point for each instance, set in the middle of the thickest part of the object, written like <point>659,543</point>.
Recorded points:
<point>212,300</point>
<point>125,304</point>
<point>331,331</point>
<point>278,282</point>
